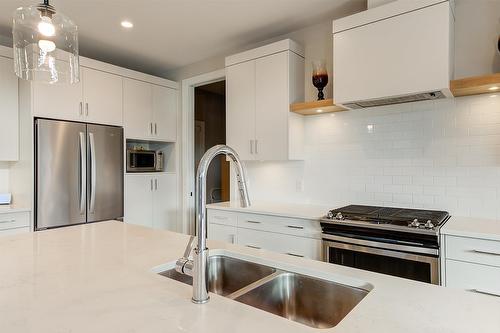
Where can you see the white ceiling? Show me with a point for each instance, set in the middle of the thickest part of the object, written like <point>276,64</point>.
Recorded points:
<point>173,33</point>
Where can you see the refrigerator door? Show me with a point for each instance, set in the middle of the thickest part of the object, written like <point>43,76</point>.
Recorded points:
<point>60,173</point>
<point>104,173</point>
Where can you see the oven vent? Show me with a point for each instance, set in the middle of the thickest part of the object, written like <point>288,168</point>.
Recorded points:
<point>395,100</point>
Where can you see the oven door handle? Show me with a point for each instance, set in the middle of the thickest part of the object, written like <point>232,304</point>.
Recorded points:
<point>401,246</point>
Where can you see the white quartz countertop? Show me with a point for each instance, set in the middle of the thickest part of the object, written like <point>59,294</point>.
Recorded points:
<point>98,278</point>
<point>301,211</point>
<point>472,227</point>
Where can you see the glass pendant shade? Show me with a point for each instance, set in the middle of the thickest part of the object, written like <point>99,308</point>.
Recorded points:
<point>45,45</point>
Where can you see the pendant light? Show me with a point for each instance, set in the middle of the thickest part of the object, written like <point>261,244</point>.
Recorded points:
<point>45,45</point>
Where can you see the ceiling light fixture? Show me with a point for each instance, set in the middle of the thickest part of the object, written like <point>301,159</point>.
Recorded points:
<point>45,45</point>
<point>493,88</point>
<point>127,24</point>
<point>319,111</point>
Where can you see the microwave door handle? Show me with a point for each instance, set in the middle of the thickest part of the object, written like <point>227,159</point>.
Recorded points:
<point>83,173</point>
<point>92,173</point>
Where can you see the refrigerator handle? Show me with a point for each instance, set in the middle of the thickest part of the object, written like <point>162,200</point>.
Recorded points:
<point>83,173</point>
<point>92,173</point>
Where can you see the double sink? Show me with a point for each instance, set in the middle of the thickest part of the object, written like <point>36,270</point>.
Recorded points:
<point>311,301</point>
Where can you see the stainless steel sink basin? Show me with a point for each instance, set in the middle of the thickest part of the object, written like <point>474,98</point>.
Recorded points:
<point>226,274</point>
<point>310,301</point>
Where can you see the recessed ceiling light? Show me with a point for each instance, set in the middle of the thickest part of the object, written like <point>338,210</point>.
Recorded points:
<point>127,24</point>
<point>494,88</point>
<point>319,110</point>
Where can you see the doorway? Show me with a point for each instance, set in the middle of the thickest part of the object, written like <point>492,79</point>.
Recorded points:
<point>210,130</point>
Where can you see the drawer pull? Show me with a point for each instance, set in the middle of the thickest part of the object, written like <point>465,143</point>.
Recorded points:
<point>253,247</point>
<point>483,292</point>
<point>295,227</point>
<point>8,221</point>
<point>295,255</point>
<point>486,252</point>
<point>253,222</point>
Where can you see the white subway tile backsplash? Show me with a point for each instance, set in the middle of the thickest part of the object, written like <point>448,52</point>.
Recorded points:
<point>437,154</point>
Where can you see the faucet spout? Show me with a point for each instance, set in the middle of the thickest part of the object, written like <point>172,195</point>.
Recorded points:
<point>200,256</point>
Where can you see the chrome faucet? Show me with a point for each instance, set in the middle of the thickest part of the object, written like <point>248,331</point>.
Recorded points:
<point>197,267</point>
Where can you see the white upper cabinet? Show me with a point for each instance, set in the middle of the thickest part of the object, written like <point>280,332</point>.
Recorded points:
<point>164,114</point>
<point>58,101</point>
<point>240,108</point>
<point>97,98</point>
<point>150,111</point>
<point>9,112</point>
<point>103,97</point>
<point>261,85</point>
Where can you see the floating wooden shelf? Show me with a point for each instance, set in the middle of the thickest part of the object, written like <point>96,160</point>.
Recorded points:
<point>486,84</point>
<point>316,107</point>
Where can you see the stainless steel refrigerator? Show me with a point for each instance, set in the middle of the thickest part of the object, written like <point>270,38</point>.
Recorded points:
<point>79,173</point>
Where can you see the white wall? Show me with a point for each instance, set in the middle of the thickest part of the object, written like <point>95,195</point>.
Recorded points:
<point>442,155</point>
<point>4,177</point>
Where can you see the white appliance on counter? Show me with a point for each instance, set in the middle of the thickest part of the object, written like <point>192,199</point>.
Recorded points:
<point>395,53</point>
<point>79,173</point>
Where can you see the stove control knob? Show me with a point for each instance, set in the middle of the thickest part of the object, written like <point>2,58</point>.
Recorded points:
<point>339,216</point>
<point>330,215</point>
<point>415,223</point>
<point>429,224</point>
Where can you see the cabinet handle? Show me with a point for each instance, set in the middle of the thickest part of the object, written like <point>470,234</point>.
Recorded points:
<point>156,184</point>
<point>151,184</point>
<point>295,227</point>
<point>486,252</point>
<point>251,146</point>
<point>81,108</point>
<point>489,293</point>
<point>155,129</point>
<point>8,221</point>
<point>253,247</point>
<point>87,109</point>
<point>232,237</point>
<point>151,128</point>
<point>253,222</point>
<point>256,146</point>
<point>295,255</point>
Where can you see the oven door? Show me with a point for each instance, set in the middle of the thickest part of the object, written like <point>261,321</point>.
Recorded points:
<point>372,256</point>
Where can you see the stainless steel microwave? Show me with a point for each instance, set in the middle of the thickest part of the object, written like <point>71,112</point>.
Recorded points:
<point>144,160</point>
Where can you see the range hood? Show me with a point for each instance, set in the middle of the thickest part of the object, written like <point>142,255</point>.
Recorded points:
<point>395,53</point>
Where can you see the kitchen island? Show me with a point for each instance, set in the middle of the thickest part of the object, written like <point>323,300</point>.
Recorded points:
<point>101,277</point>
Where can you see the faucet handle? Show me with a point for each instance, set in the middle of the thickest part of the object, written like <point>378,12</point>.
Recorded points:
<point>189,247</point>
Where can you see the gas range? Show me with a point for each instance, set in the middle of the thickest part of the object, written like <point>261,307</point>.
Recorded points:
<point>396,219</point>
<point>397,241</point>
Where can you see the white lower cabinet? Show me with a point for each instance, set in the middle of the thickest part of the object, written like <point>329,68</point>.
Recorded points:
<point>151,200</point>
<point>472,264</point>
<point>295,237</point>
<point>14,223</point>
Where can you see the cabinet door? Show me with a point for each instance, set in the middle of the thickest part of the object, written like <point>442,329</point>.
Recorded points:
<point>164,113</point>
<point>139,200</point>
<point>103,97</point>
<point>9,112</point>
<point>240,108</point>
<point>58,101</point>
<point>223,233</point>
<point>272,107</point>
<point>165,201</point>
<point>137,109</point>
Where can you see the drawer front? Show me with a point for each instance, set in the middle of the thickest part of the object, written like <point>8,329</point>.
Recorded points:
<point>473,250</point>
<point>223,233</point>
<point>15,231</point>
<point>282,225</point>
<point>14,220</point>
<point>222,217</point>
<point>286,244</point>
<point>473,277</point>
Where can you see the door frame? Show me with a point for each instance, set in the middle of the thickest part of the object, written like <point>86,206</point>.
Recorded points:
<point>187,147</point>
